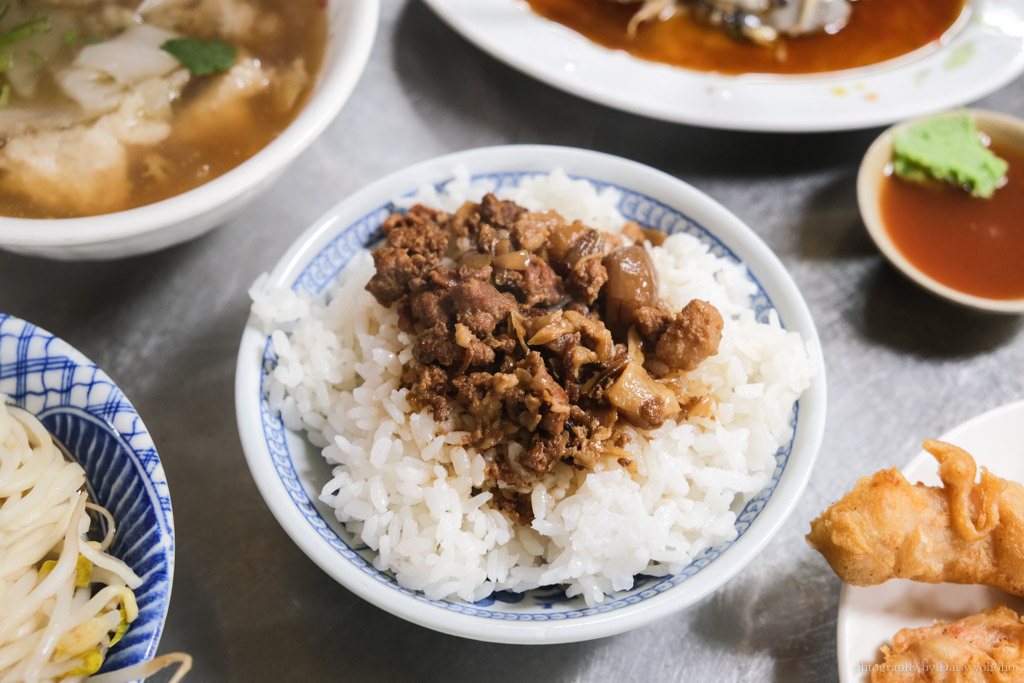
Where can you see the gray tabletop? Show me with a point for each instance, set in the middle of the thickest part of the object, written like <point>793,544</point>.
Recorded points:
<point>247,602</point>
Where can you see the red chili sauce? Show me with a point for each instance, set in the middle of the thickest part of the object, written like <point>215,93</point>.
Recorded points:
<point>975,246</point>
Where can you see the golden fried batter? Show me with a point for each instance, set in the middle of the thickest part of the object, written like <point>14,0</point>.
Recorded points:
<point>983,647</point>
<point>962,532</point>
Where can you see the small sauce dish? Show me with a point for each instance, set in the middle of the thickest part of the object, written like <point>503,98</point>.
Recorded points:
<point>967,250</point>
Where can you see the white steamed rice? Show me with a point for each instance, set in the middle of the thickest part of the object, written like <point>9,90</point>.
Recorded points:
<point>405,485</point>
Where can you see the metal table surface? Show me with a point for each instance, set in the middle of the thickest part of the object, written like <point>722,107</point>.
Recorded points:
<point>247,602</point>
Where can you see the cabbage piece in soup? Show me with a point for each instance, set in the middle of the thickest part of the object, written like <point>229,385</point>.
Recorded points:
<point>106,105</point>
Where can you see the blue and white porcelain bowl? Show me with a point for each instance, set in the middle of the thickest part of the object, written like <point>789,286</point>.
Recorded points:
<point>83,408</point>
<point>290,472</point>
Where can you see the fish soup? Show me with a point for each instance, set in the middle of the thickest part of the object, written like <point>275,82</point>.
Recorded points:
<point>107,106</point>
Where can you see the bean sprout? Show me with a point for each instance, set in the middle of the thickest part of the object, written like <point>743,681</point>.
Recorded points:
<point>64,602</point>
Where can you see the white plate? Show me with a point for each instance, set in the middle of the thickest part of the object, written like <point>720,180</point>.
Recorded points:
<point>869,617</point>
<point>985,55</point>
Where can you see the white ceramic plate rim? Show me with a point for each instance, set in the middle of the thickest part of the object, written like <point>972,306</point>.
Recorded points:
<point>871,96</point>
<point>920,466</point>
<point>356,34</point>
<point>535,158</point>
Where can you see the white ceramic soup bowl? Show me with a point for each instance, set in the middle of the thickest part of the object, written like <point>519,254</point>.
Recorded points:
<point>290,473</point>
<point>352,25</point>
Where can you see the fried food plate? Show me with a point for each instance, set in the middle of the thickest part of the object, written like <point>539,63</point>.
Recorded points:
<point>974,59</point>
<point>869,617</point>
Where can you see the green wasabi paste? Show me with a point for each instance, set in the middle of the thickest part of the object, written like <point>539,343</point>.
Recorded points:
<point>948,149</point>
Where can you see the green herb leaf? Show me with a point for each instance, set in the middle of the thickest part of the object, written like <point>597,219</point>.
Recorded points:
<point>5,10</point>
<point>70,37</point>
<point>25,30</point>
<point>5,95</point>
<point>201,57</point>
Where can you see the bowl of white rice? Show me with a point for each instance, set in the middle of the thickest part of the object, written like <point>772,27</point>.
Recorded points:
<point>393,507</point>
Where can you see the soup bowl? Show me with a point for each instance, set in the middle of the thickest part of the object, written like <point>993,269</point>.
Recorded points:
<point>82,407</point>
<point>351,27</point>
<point>291,473</point>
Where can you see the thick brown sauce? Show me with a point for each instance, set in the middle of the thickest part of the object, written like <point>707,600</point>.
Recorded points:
<point>975,246</point>
<point>878,30</point>
<point>192,157</point>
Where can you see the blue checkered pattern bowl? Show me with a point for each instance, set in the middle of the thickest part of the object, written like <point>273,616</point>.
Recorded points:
<point>81,406</point>
<point>290,473</point>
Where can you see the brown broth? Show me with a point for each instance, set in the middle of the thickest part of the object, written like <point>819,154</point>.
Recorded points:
<point>212,147</point>
<point>878,30</point>
<point>972,245</point>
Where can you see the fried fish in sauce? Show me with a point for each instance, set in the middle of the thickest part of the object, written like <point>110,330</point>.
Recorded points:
<point>760,21</point>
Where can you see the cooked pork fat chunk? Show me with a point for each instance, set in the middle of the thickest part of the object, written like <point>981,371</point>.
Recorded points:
<point>86,165</point>
<point>540,338</point>
<point>236,19</point>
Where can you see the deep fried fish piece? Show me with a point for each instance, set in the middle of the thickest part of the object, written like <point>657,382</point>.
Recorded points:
<point>962,532</point>
<point>983,647</point>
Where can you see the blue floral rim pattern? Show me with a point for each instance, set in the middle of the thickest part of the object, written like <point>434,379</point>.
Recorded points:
<point>545,604</point>
<point>83,408</point>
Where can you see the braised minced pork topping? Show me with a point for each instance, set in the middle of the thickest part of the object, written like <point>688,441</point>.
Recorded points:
<point>538,336</point>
